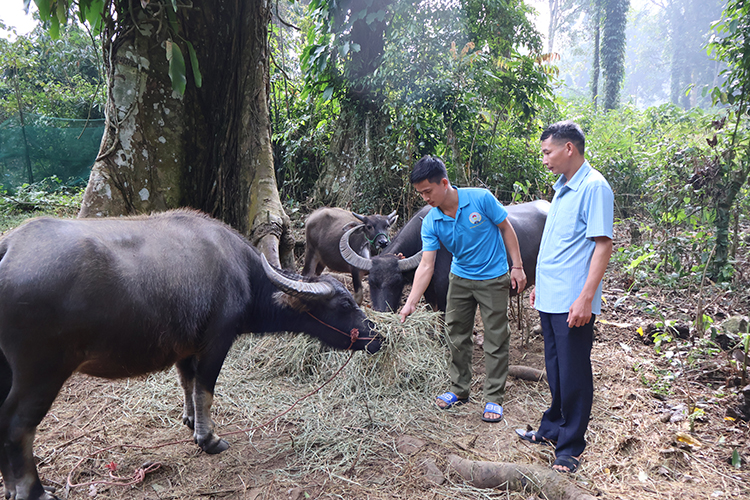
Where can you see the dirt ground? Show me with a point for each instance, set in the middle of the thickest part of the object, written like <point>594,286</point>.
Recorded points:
<point>643,444</point>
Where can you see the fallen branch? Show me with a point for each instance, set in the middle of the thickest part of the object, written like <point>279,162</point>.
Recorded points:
<point>553,485</point>
<point>526,373</point>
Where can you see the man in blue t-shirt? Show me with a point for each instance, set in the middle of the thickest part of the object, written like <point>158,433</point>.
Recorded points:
<point>575,249</point>
<point>473,226</point>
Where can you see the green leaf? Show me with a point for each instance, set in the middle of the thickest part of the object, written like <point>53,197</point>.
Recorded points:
<point>54,28</point>
<point>44,6</point>
<point>640,259</point>
<point>95,15</point>
<point>174,5</point>
<point>176,67</point>
<point>194,65</point>
<point>327,93</point>
<point>736,460</point>
<point>173,20</point>
<point>62,12</point>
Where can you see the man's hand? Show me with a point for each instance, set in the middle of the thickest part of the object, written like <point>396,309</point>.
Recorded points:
<point>532,297</point>
<point>406,310</point>
<point>518,280</point>
<point>579,313</point>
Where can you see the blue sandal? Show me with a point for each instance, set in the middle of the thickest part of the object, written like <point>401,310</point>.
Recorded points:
<point>493,408</point>
<point>450,400</point>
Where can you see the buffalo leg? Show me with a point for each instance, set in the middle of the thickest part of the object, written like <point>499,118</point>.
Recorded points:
<point>207,370</point>
<point>357,285</point>
<point>6,377</point>
<point>311,262</point>
<point>26,405</point>
<point>186,369</point>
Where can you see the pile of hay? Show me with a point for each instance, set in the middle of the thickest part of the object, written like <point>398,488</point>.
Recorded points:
<point>336,426</point>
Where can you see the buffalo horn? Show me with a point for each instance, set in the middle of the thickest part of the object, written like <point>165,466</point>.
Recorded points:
<point>352,257</point>
<point>302,289</point>
<point>410,263</point>
<point>392,218</point>
<point>360,217</point>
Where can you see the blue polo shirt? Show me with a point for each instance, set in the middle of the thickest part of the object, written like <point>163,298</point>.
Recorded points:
<point>472,237</point>
<point>581,210</point>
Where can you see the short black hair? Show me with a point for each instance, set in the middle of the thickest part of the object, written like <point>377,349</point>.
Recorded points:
<point>566,131</point>
<point>430,168</point>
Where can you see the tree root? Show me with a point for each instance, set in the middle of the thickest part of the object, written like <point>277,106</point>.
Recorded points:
<point>526,373</point>
<point>553,485</point>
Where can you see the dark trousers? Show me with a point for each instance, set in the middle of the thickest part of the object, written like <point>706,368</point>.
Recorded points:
<point>567,355</point>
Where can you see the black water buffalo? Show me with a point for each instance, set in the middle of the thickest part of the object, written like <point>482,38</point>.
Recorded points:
<point>123,297</point>
<point>389,272</point>
<point>325,227</point>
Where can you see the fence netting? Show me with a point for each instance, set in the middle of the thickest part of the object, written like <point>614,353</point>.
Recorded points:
<point>46,147</point>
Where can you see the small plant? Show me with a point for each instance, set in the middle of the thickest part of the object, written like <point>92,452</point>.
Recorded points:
<point>696,414</point>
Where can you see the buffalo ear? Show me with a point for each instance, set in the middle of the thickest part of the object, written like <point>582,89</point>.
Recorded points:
<point>290,301</point>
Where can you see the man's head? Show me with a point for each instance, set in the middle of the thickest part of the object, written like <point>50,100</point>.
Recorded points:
<point>430,178</point>
<point>563,145</point>
<point>566,131</point>
<point>429,168</point>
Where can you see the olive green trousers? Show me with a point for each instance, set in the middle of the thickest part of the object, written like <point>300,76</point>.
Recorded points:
<point>492,298</point>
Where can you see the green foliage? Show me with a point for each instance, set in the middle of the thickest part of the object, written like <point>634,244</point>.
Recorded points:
<point>50,196</point>
<point>54,77</point>
<point>96,13</point>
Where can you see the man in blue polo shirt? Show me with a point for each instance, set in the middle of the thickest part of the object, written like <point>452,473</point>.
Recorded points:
<point>473,226</point>
<point>574,253</point>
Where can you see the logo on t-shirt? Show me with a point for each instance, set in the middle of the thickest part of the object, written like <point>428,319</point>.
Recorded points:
<point>475,218</point>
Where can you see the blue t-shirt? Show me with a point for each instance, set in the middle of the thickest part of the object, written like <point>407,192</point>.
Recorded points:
<point>581,210</point>
<point>472,237</point>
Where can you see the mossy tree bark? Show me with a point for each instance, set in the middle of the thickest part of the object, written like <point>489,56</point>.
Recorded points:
<point>210,148</point>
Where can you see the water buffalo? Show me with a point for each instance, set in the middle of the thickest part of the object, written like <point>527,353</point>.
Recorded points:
<point>389,272</point>
<point>325,227</point>
<point>123,297</point>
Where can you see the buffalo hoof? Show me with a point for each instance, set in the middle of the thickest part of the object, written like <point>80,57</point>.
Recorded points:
<point>190,422</point>
<point>213,445</point>
<point>46,494</point>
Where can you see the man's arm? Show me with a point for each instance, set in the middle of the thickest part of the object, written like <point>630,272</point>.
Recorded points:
<point>580,312</point>
<point>510,239</point>
<point>422,278</point>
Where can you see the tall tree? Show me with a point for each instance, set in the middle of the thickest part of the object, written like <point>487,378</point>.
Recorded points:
<point>689,29</point>
<point>187,113</point>
<point>731,45</point>
<point>562,16</point>
<point>613,49</point>
<point>596,66</point>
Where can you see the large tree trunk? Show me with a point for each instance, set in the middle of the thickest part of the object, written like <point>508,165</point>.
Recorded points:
<point>211,147</point>
<point>357,173</point>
